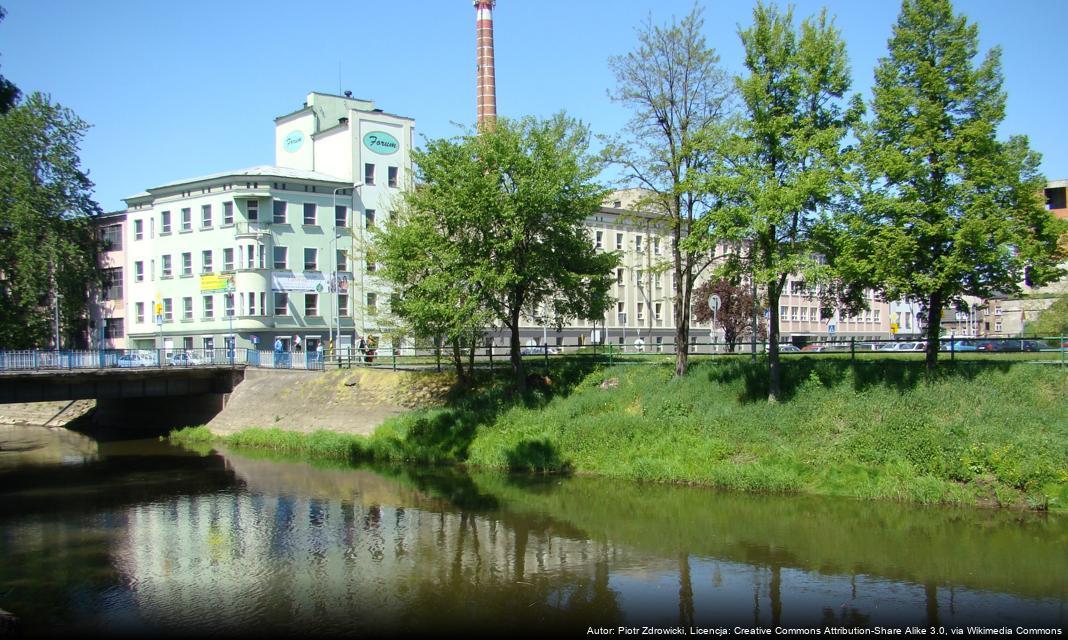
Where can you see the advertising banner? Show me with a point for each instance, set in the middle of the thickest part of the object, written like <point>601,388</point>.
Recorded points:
<point>213,282</point>
<point>307,282</point>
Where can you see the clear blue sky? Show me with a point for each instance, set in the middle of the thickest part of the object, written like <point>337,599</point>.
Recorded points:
<point>180,89</point>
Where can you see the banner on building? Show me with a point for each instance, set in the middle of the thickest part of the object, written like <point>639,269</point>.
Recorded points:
<point>213,282</point>
<point>307,282</point>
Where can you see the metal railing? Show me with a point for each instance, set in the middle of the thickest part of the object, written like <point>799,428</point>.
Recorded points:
<point>1048,350</point>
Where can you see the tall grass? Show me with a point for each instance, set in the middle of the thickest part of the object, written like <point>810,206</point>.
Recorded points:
<point>991,433</point>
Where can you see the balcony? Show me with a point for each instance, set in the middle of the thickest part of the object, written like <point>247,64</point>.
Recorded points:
<point>252,229</point>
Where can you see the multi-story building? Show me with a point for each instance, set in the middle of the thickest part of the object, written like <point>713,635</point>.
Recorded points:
<point>273,252</point>
<point>107,312</point>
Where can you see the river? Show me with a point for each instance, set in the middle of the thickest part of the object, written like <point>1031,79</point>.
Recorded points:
<point>141,537</point>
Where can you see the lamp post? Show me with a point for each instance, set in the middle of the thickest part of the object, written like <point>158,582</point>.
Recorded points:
<point>713,305</point>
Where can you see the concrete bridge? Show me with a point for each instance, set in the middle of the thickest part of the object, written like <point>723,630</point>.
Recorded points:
<point>152,398</point>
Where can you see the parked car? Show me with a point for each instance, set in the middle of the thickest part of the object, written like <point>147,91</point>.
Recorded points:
<point>958,345</point>
<point>788,347</point>
<point>184,359</point>
<point>537,350</point>
<point>133,360</point>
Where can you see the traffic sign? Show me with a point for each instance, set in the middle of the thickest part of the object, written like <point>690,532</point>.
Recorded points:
<point>713,302</point>
<point>893,327</point>
<point>159,318</point>
<point>159,309</point>
<point>831,329</point>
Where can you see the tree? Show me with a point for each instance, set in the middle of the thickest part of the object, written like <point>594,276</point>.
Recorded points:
<point>9,93</point>
<point>48,242</point>
<point>735,313</point>
<point>785,161</point>
<point>1053,321</point>
<point>502,213</point>
<point>676,89</point>
<point>948,209</point>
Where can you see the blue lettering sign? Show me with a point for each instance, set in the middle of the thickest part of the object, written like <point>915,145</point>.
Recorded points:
<point>293,141</point>
<point>381,142</point>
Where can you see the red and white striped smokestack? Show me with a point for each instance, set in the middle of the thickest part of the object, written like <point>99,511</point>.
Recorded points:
<point>487,84</point>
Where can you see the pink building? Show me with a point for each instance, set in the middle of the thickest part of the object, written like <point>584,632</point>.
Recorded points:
<point>107,317</point>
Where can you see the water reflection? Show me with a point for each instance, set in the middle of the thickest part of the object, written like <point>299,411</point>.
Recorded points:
<point>161,540</point>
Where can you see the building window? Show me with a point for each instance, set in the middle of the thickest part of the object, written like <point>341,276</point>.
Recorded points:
<point>369,219</point>
<point>209,307</point>
<point>372,266</point>
<point>205,217</point>
<point>279,211</point>
<point>311,305</point>
<point>187,264</point>
<point>113,328</point>
<point>599,242</point>
<point>619,242</point>
<point>228,259</point>
<point>113,287</point>
<point>139,312</point>
<point>343,305</point>
<point>281,304</point>
<point>619,308</point>
<point>228,213</point>
<point>253,210</point>
<point>139,229</point>
<point>372,303</point>
<point>997,311</point>
<point>165,267</point>
<point>877,313</point>
<point>139,271</point>
<point>619,276</point>
<point>656,246</point>
<point>783,311</point>
<point>164,222</point>
<point>206,261</point>
<point>340,263</point>
<point>641,311</point>
<point>251,303</point>
<point>638,243</point>
<point>341,216</point>
<point>187,219</point>
<point>168,310</point>
<point>638,273</point>
<point>209,345</point>
<point>657,311</point>
<point>659,344</point>
<point>656,280</point>
<point>111,236</point>
<point>793,314</point>
<point>369,174</point>
<point>228,305</point>
<point>997,327</point>
<point>187,342</point>
<point>310,259</point>
<point>281,255</point>
<point>393,177</point>
<point>309,213</point>
<point>187,308</point>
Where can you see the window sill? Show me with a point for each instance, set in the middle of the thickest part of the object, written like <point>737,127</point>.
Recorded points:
<point>164,233</point>
<point>186,275</point>
<point>226,225</point>
<point>184,320</point>
<point>183,231</point>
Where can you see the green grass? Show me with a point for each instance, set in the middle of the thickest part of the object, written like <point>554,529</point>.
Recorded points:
<point>976,432</point>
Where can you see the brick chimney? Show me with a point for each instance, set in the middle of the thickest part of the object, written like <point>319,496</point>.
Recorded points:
<point>487,86</point>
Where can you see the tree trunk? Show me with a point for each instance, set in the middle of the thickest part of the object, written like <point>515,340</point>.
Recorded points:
<point>517,359</point>
<point>934,325</point>
<point>774,368</point>
<point>457,360</point>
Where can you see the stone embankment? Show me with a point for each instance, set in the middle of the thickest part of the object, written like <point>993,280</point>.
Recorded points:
<point>46,414</point>
<point>343,400</point>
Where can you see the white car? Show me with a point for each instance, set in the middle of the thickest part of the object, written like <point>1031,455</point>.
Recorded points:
<point>537,350</point>
<point>184,359</point>
<point>133,360</point>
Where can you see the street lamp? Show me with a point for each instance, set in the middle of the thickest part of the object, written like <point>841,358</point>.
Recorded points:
<point>713,304</point>
<point>336,320</point>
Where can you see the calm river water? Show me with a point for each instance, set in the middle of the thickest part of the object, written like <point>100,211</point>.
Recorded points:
<point>140,537</point>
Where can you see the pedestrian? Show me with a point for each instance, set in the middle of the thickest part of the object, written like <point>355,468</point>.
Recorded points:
<point>296,344</point>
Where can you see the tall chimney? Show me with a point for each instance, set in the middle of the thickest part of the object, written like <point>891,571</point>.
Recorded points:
<point>487,85</point>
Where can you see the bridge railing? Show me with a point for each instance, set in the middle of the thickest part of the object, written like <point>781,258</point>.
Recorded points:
<point>38,360</point>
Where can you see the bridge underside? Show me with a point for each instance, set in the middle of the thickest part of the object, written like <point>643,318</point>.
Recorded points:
<point>42,386</point>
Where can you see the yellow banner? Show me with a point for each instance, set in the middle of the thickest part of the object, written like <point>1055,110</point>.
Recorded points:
<point>213,282</point>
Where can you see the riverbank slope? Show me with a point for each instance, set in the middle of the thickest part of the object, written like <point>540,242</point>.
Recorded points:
<point>988,433</point>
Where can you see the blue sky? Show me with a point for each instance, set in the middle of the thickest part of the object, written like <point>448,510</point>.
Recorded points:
<point>180,89</point>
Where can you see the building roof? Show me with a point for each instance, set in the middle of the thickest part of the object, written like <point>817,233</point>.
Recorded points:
<point>267,171</point>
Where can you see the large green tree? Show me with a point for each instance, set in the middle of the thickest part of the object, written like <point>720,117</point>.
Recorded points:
<point>673,83</point>
<point>786,162</point>
<point>501,213</point>
<point>948,210</point>
<point>9,93</point>
<point>47,240</point>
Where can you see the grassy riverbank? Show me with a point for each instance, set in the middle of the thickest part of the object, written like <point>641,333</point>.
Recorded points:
<point>991,433</point>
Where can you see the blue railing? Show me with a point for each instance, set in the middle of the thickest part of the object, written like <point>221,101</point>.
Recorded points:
<point>38,360</point>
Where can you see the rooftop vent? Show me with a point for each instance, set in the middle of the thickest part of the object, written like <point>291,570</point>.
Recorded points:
<point>342,121</point>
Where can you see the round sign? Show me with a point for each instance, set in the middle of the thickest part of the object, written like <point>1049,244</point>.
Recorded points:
<point>713,302</point>
<point>381,142</point>
<point>293,141</point>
